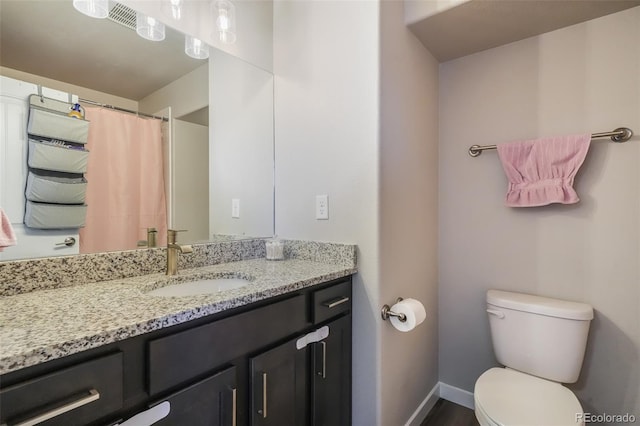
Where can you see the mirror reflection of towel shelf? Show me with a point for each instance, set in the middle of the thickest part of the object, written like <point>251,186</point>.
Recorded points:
<point>621,134</point>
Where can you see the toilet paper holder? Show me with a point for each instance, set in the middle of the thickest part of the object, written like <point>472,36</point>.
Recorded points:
<point>386,312</point>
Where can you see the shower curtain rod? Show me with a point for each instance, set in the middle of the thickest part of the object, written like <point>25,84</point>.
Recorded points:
<point>87,101</point>
<point>621,134</point>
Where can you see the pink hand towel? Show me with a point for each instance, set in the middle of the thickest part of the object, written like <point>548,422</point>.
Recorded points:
<point>541,171</point>
<point>7,236</point>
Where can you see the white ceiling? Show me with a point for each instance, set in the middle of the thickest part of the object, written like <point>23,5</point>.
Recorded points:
<point>51,39</point>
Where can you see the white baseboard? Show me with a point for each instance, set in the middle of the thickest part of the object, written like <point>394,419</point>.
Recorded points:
<point>444,391</point>
<point>457,395</point>
<point>426,406</point>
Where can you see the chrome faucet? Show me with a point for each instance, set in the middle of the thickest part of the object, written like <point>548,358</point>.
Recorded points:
<point>173,250</point>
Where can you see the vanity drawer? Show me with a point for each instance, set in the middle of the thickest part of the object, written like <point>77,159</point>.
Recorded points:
<point>76,395</point>
<point>331,301</point>
<point>180,357</point>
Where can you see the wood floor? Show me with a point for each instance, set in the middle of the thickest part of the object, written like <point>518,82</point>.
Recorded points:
<point>446,413</point>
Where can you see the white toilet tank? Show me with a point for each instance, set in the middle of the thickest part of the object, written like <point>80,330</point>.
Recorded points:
<point>537,335</point>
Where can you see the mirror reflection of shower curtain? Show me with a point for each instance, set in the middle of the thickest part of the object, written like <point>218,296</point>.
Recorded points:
<point>125,191</point>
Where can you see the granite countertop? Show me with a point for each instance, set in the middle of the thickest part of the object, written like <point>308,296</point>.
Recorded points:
<point>47,324</point>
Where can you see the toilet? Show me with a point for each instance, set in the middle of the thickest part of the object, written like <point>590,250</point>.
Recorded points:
<point>541,343</point>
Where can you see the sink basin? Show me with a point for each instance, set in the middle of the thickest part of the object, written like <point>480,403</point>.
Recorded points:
<point>199,287</point>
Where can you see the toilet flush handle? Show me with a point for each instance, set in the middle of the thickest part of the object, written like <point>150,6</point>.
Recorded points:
<point>497,313</point>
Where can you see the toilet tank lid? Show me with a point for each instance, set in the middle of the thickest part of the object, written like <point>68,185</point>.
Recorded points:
<point>540,305</point>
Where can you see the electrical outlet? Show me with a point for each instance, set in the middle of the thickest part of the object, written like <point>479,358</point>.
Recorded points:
<point>235,208</point>
<point>322,207</point>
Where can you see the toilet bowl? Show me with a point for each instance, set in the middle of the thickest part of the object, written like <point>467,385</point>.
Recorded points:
<point>541,343</point>
<point>505,397</point>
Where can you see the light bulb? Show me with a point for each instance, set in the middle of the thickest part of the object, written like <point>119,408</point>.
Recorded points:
<point>223,21</point>
<point>225,13</point>
<point>173,8</point>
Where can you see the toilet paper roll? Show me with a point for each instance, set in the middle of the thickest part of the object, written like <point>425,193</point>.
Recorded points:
<point>413,311</point>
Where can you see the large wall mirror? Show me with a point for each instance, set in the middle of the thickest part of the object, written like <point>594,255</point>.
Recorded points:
<point>217,141</point>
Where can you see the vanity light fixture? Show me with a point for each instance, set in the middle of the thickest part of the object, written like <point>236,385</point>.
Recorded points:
<point>93,8</point>
<point>225,13</point>
<point>149,28</point>
<point>173,8</point>
<point>195,47</point>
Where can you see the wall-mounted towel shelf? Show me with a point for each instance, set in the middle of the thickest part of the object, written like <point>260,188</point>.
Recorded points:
<point>621,134</point>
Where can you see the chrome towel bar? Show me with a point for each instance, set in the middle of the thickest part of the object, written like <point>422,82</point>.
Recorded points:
<point>621,134</point>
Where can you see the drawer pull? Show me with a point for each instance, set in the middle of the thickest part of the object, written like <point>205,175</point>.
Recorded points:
<point>234,396</point>
<point>93,396</point>
<point>264,395</point>
<point>323,373</point>
<point>335,302</point>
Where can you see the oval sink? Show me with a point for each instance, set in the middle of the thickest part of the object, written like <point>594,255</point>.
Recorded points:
<point>199,287</point>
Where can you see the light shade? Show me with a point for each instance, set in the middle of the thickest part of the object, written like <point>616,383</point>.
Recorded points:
<point>149,28</point>
<point>195,48</point>
<point>225,13</point>
<point>94,8</point>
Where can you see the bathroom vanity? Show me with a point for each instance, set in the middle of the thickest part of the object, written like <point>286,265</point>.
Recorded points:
<point>276,352</point>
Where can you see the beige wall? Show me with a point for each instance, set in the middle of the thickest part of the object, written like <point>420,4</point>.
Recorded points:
<point>326,108</point>
<point>375,155</point>
<point>191,180</point>
<point>584,78</point>
<point>241,147</point>
<point>408,212</point>
<point>184,95</point>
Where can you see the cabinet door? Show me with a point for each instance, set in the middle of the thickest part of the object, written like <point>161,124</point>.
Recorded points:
<point>210,402</point>
<point>279,386</point>
<point>331,376</point>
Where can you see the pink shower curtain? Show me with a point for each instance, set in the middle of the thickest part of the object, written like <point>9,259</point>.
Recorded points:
<point>125,191</point>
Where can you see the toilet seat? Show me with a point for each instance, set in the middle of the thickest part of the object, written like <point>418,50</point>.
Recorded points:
<point>505,397</point>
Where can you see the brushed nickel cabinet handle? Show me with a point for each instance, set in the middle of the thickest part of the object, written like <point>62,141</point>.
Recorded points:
<point>93,396</point>
<point>264,395</point>
<point>323,373</point>
<point>335,302</point>
<point>234,405</point>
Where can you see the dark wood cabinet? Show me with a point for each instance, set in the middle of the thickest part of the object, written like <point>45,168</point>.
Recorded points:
<point>209,402</point>
<point>285,361</point>
<point>279,386</point>
<point>331,378</point>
